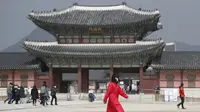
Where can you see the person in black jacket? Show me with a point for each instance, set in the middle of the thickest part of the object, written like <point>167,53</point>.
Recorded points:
<point>16,94</point>
<point>53,95</point>
<point>34,95</point>
<point>22,94</point>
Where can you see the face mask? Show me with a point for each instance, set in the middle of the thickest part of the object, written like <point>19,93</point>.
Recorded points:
<point>54,86</point>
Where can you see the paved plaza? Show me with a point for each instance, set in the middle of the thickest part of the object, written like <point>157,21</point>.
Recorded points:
<point>98,106</point>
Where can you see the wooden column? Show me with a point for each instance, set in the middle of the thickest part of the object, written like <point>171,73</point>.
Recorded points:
<point>111,71</point>
<point>13,76</point>
<point>85,80</point>
<point>50,77</point>
<point>141,76</point>
<point>158,77</point>
<point>181,73</point>
<point>35,77</point>
<point>57,78</point>
<point>80,81</point>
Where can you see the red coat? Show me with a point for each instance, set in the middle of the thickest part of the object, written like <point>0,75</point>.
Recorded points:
<point>181,92</point>
<point>113,92</point>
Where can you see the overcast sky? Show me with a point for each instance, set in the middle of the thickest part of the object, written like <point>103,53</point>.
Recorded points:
<point>181,18</point>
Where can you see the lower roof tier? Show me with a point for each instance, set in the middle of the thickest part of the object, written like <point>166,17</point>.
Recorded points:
<point>96,54</point>
<point>178,60</point>
<point>17,60</point>
<point>92,50</point>
<point>175,60</point>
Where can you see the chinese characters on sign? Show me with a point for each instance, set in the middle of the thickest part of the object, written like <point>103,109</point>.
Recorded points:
<point>95,30</point>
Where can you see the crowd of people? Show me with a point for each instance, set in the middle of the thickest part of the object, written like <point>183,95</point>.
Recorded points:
<point>19,94</point>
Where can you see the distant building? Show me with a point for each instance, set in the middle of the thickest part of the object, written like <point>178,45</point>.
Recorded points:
<point>170,47</point>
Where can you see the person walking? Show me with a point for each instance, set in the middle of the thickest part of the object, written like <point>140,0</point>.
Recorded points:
<point>34,95</point>
<point>46,95</point>
<point>16,94</point>
<point>22,94</point>
<point>42,94</point>
<point>53,95</point>
<point>13,95</point>
<point>9,92</point>
<point>182,96</point>
<point>113,92</point>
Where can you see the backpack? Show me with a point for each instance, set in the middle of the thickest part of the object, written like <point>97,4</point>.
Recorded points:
<point>43,89</point>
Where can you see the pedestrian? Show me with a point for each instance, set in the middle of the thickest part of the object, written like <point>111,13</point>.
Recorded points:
<point>9,92</point>
<point>91,96</point>
<point>157,93</point>
<point>53,95</point>
<point>113,92</point>
<point>28,95</point>
<point>34,95</point>
<point>16,94</point>
<point>46,95</point>
<point>13,95</point>
<point>182,96</point>
<point>22,94</point>
<point>42,94</point>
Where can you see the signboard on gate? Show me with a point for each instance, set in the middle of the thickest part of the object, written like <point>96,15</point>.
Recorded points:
<point>95,31</point>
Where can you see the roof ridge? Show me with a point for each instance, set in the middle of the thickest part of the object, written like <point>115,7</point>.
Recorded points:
<point>182,51</point>
<point>13,52</point>
<point>96,5</point>
<point>123,6</point>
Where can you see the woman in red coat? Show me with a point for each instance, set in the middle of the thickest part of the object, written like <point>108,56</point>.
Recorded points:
<point>113,92</point>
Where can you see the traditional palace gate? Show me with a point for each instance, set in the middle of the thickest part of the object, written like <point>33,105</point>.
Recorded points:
<point>96,37</point>
<point>83,75</point>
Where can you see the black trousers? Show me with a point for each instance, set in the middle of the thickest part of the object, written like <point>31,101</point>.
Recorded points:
<point>34,101</point>
<point>182,102</point>
<point>42,98</point>
<point>53,97</point>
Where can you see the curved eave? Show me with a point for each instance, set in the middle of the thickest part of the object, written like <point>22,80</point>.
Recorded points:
<point>28,67</point>
<point>60,17</point>
<point>38,22</point>
<point>174,67</point>
<point>113,50</point>
<point>96,8</point>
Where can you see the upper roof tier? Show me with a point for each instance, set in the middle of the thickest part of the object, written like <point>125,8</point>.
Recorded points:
<point>94,15</point>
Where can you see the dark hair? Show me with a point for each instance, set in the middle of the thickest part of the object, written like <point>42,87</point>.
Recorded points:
<point>114,76</point>
<point>182,84</point>
<point>34,86</point>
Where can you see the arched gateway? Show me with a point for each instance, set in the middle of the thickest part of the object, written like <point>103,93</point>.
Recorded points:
<point>96,37</point>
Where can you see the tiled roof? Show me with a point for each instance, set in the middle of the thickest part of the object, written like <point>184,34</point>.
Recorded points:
<point>178,60</point>
<point>96,54</point>
<point>18,60</point>
<point>94,15</point>
<point>91,50</point>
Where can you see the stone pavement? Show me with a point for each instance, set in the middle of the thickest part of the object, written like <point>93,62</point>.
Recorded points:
<point>98,106</point>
